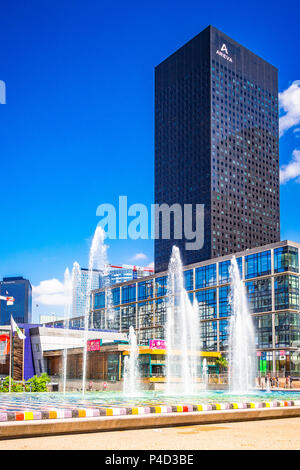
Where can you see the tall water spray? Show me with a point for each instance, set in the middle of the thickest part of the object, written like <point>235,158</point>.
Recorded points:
<point>205,373</point>
<point>97,261</point>
<point>109,311</point>
<point>72,288</point>
<point>242,354</point>
<point>182,333</point>
<point>131,371</point>
<point>67,312</point>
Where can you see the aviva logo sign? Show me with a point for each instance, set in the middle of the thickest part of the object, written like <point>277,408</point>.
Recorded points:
<point>223,52</point>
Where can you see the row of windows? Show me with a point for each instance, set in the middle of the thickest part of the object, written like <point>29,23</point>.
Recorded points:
<point>287,332</point>
<point>256,265</point>
<point>259,294</point>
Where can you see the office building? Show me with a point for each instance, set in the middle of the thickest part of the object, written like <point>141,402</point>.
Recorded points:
<point>271,277</point>
<point>216,144</point>
<point>21,310</point>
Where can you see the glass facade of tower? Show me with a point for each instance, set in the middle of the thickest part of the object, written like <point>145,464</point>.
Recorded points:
<point>21,310</point>
<point>216,143</point>
<point>271,276</point>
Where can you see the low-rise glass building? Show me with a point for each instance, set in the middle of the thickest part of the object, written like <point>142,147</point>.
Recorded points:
<point>271,277</point>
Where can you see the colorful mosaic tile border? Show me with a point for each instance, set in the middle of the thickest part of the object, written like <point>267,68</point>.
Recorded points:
<point>28,415</point>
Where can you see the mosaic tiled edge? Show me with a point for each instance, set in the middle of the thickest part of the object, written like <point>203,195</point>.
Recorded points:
<point>139,410</point>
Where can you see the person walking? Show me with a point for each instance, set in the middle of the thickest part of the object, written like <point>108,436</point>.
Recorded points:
<point>287,382</point>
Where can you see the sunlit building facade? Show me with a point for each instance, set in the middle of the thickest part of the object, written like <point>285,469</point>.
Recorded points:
<point>271,277</point>
<point>21,290</point>
<point>216,144</point>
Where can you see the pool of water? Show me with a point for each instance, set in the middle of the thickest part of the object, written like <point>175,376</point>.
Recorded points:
<point>46,401</point>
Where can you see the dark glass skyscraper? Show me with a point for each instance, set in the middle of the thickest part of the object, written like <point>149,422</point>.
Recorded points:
<point>216,143</point>
<point>21,290</point>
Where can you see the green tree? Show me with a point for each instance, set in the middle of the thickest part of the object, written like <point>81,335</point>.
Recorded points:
<point>222,363</point>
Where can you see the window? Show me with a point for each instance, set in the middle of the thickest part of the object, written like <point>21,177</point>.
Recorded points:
<point>189,279</point>
<point>161,286</point>
<point>145,314</point>
<point>160,312</point>
<point>224,327</point>
<point>224,270</point>
<point>263,331</point>
<point>259,295</point>
<point>208,335</point>
<point>258,264</point>
<point>206,276</point>
<point>286,292</point>
<point>224,301</point>
<point>116,296</point>
<point>128,317</point>
<point>128,294</point>
<point>207,303</point>
<point>286,259</point>
<point>99,301</point>
<point>287,330</point>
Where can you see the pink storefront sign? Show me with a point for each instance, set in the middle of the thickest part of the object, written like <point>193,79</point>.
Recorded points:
<point>157,344</point>
<point>94,345</point>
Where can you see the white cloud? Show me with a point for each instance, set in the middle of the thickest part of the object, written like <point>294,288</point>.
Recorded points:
<point>289,102</point>
<point>292,169</point>
<point>139,256</point>
<point>297,131</point>
<point>49,292</point>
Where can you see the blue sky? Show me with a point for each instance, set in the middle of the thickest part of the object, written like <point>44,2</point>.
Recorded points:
<point>77,128</point>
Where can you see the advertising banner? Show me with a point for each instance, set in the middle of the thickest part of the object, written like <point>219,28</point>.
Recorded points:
<point>94,344</point>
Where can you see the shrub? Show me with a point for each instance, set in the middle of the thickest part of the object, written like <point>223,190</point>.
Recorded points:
<point>38,383</point>
<point>15,387</point>
<point>35,384</point>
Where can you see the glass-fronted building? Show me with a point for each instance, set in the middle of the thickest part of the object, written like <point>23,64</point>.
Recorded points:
<point>113,275</point>
<point>271,277</point>
<point>21,310</point>
<point>216,144</point>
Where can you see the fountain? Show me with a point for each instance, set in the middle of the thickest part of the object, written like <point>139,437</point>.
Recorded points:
<point>71,284</point>
<point>109,317</point>
<point>97,261</point>
<point>131,372</point>
<point>182,333</point>
<point>205,373</point>
<point>68,304</point>
<point>242,355</point>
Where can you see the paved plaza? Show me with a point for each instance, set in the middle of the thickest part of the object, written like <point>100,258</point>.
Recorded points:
<point>274,434</point>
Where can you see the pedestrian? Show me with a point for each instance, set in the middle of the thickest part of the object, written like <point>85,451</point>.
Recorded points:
<point>287,382</point>
<point>277,381</point>
<point>259,382</point>
<point>90,386</point>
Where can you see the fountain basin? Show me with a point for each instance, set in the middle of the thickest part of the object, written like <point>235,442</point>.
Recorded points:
<point>40,406</point>
<point>64,414</point>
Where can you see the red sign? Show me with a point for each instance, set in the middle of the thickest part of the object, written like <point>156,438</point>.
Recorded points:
<point>157,344</point>
<point>93,344</point>
<point>258,353</point>
<point>282,353</point>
